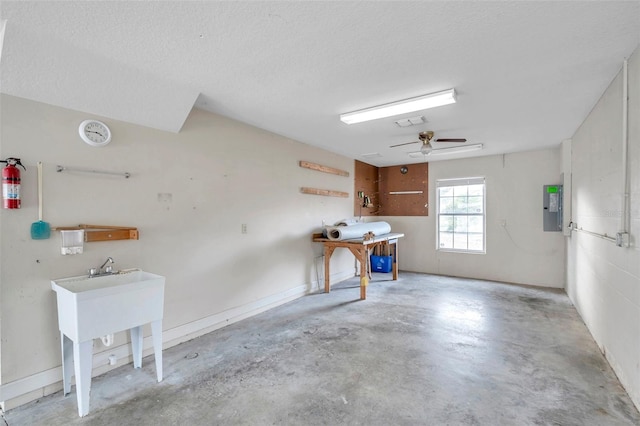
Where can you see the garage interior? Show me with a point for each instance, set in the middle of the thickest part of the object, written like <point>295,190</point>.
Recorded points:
<point>212,110</point>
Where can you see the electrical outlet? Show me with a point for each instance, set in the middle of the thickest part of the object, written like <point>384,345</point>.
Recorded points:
<point>243,228</point>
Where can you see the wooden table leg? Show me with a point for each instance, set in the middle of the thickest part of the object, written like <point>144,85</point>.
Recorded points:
<point>328,251</point>
<point>364,266</point>
<point>395,261</point>
<point>360,252</point>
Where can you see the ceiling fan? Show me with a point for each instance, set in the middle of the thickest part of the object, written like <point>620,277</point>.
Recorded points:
<point>427,149</point>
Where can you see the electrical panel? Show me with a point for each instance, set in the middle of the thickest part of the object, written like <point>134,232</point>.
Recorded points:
<point>552,208</point>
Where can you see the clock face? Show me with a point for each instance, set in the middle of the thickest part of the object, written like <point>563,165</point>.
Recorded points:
<point>95,133</point>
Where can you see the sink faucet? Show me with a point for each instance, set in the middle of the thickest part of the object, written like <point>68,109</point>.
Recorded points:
<point>94,272</point>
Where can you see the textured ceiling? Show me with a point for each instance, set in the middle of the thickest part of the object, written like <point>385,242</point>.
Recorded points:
<point>526,73</point>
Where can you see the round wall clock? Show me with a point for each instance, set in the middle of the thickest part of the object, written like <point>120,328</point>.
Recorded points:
<point>94,132</point>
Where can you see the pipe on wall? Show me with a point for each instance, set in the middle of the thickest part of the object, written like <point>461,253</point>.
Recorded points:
<point>625,217</point>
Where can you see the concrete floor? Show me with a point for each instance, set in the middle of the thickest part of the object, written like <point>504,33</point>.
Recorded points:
<point>423,350</point>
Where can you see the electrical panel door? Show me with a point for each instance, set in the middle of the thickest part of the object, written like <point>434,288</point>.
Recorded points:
<point>552,208</point>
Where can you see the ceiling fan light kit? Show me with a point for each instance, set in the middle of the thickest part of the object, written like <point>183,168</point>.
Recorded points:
<point>425,138</point>
<point>418,103</point>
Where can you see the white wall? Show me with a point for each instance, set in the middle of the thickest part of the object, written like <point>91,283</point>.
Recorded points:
<point>519,252</point>
<point>603,280</point>
<point>220,174</point>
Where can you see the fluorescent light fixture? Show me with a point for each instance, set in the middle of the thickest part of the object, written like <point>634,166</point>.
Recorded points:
<point>3,26</point>
<point>452,150</point>
<point>418,103</point>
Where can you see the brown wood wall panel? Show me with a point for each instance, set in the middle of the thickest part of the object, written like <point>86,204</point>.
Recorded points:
<point>392,180</point>
<point>366,181</point>
<point>377,183</point>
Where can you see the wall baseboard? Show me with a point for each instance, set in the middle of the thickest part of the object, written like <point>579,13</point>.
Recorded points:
<point>51,380</point>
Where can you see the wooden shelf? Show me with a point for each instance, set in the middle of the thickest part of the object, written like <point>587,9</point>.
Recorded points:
<point>323,169</point>
<point>102,232</point>
<point>325,192</point>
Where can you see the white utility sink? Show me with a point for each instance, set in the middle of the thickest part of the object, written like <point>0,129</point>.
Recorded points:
<point>92,307</point>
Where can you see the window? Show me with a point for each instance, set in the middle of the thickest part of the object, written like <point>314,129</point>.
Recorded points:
<point>460,218</point>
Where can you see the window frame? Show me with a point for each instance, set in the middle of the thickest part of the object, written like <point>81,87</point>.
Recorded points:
<point>440,183</point>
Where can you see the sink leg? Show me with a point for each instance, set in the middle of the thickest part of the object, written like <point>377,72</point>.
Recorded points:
<point>156,332</point>
<point>82,354</point>
<point>67,362</point>
<point>136,346</point>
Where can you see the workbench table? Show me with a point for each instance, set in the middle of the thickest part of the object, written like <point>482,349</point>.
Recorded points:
<point>360,249</point>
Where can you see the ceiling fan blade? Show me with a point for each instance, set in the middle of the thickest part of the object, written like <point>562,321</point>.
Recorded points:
<point>402,144</point>
<point>451,140</point>
<point>454,149</point>
<point>451,150</point>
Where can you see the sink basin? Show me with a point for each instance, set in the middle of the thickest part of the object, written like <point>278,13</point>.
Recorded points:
<point>92,307</point>
<point>89,308</point>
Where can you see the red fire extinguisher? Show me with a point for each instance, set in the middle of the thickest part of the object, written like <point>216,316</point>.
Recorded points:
<point>11,183</point>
